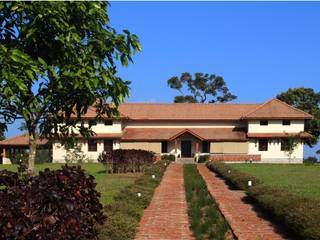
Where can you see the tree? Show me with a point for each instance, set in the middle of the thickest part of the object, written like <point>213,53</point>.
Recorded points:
<point>58,59</point>
<point>203,88</point>
<point>307,100</point>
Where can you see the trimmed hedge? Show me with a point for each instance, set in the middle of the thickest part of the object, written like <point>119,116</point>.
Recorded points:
<point>300,215</point>
<point>203,158</point>
<point>125,212</point>
<point>237,179</point>
<point>126,160</point>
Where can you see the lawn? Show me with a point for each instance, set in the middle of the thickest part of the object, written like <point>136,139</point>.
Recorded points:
<point>109,185</point>
<point>301,179</point>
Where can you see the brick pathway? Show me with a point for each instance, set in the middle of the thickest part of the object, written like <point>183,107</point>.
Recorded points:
<point>167,216</point>
<point>242,217</point>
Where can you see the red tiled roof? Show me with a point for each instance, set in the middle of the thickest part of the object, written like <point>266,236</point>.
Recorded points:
<point>185,111</point>
<point>21,140</point>
<point>273,109</point>
<point>279,135</point>
<point>153,134</point>
<point>276,109</point>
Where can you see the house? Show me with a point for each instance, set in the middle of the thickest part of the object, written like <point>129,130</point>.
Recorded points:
<point>228,132</point>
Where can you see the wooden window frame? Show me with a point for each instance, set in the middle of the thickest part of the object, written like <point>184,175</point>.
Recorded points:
<point>108,122</point>
<point>264,123</point>
<point>164,147</point>
<point>207,144</point>
<point>286,122</point>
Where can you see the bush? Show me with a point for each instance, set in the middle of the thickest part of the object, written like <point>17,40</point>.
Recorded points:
<point>300,215</point>
<point>125,212</point>
<point>234,177</point>
<point>310,160</point>
<point>168,157</point>
<point>126,160</point>
<point>203,158</point>
<point>60,204</point>
<point>75,155</point>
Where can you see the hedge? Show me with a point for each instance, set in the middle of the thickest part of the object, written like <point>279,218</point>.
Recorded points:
<point>168,157</point>
<point>124,214</point>
<point>236,178</point>
<point>300,215</point>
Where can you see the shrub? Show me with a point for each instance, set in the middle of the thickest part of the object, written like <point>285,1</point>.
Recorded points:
<point>60,204</point>
<point>126,160</point>
<point>310,160</point>
<point>75,155</point>
<point>203,158</point>
<point>300,215</point>
<point>234,177</point>
<point>169,157</point>
<point>125,212</point>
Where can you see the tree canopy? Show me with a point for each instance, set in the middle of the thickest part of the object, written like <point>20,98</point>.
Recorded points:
<point>57,59</point>
<point>202,88</point>
<point>307,100</point>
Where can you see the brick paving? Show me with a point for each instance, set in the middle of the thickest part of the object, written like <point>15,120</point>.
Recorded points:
<point>167,216</point>
<point>245,221</point>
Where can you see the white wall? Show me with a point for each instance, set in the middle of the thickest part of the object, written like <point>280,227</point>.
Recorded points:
<point>185,124</point>
<point>59,152</point>
<point>274,153</point>
<point>100,127</point>
<point>275,126</point>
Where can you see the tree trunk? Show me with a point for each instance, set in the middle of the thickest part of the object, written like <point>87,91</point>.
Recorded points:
<point>32,151</point>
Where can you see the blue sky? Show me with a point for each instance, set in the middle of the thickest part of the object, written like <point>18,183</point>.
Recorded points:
<point>260,48</point>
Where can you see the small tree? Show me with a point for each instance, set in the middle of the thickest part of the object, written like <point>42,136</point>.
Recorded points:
<point>203,88</point>
<point>290,142</point>
<point>76,155</point>
<point>57,59</point>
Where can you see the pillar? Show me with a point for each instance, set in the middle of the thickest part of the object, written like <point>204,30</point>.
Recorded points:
<point>197,147</point>
<point>3,152</point>
<point>175,145</point>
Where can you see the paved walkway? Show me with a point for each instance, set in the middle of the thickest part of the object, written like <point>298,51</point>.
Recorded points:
<point>167,217</point>
<point>242,217</point>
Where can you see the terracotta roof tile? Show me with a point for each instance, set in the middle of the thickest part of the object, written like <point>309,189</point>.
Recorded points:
<point>159,134</point>
<point>279,135</point>
<point>21,140</point>
<point>276,109</point>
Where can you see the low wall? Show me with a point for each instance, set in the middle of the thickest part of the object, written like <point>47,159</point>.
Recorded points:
<point>235,157</point>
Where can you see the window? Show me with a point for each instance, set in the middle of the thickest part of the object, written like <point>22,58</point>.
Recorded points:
<point>92,145</point>
<point>286,122</point>
<point>92,122</point>
<point>263,144</point>
<point>164,146</point>
<point>205,147</point>
<point>108,145</point>
<point>284,145</point>
<point>108,122</point>
<point>264,123</point>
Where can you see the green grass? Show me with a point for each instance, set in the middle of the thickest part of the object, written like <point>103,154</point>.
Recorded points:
<point>205,217</point>
<point>301,179</point>
<point>109,185</point>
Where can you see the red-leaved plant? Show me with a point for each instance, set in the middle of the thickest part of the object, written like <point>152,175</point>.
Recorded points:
<point>59,204</point>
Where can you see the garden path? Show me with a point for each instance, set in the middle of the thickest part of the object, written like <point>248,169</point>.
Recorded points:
<point>167,215</point>
<point>244,219</point>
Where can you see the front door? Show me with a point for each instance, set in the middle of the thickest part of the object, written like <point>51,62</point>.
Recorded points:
<point>186,148</point>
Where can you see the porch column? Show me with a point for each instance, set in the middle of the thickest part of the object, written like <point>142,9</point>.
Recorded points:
<point>3,152</point>
<point>175,145</point>
<point>197,147</point>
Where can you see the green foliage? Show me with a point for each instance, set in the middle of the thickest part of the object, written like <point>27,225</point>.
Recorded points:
<point>307,100</point>
<point>203,158</point>
<point>290,142</point>
<point>58,59</point>
<point>75,155</point>
<point>236,178</point>
<point>168,157</point>
<point>205,217</point>
<point>300,215</point>
<point>310,160</point>
<point>203,88</point>
<point>125,212</point>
